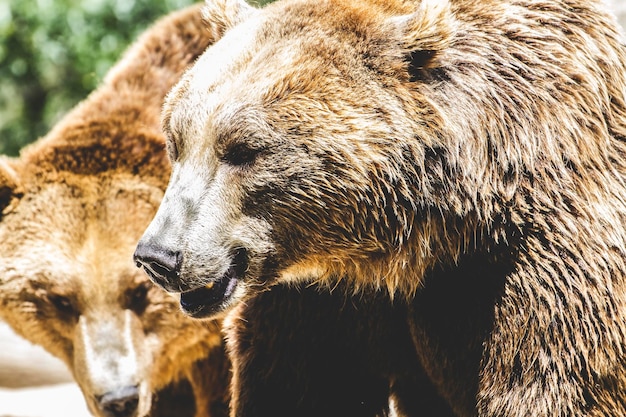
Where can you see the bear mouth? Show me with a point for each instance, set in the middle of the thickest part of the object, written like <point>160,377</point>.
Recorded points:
<point>209,300</point>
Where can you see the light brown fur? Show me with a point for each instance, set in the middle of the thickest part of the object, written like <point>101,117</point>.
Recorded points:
<point>466,157</point>
<point>73,205</point>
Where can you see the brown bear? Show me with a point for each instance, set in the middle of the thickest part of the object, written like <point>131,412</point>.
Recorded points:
<point>457,168</point>
<point>72,208</point>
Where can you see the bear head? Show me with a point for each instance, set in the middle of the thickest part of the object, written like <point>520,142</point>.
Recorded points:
<point>73,205</point>
<point>373,141</point>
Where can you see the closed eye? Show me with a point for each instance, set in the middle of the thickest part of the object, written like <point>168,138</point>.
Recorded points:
<point>62,304</point>
<point>240,154</point>
<point>137,298</point>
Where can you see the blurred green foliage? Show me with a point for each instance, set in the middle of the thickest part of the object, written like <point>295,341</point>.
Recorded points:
<point>54,52</point>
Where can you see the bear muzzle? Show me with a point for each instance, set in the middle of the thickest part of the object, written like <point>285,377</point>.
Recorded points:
<point>211,298</point>
<point>163,266</point>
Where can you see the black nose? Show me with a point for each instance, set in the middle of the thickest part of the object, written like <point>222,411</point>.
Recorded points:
<point>121,402</point>
<point>161,264</point>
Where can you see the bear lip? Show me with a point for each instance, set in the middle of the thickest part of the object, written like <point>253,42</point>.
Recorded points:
<point>211,299</point>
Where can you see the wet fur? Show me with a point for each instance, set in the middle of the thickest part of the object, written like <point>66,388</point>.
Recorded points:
<point>466,158</point>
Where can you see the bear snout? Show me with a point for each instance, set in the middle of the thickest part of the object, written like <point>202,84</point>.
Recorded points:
<point>161,264</point>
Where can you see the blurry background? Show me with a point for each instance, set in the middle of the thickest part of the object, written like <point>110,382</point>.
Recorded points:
<point>619,7</point>
<point>52,54</point>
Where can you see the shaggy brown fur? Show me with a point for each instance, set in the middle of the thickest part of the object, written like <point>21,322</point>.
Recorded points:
<point>465,157</point>
<point>74,204</point>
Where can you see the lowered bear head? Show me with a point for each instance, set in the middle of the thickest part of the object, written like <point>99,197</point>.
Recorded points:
<point>72,207</point>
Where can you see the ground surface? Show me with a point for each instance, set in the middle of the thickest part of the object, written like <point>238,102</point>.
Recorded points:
<point>33,383</point>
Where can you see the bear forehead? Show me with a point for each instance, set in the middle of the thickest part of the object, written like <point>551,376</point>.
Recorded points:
<point>66,206</point>
<point>71,241</point>
<point>264,63</point>
<point>59,266</point>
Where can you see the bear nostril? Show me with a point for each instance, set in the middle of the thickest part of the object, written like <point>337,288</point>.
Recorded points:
<point>122,402</point>
<point>159,263</point>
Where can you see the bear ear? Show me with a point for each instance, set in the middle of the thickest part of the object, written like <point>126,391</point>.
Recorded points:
<point>9,186</point>
<point>221,15</point>
<point>423,34</point>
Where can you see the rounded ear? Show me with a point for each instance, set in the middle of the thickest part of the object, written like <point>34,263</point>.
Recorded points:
<point>424,33</point>
<point>9,186</point>
<point>221,15</point>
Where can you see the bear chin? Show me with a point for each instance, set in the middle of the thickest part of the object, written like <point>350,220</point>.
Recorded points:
<point>210,300</point>
<point>217,295</point>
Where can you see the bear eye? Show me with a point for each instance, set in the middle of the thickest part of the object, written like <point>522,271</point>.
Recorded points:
<point>138,297</point>
<point>240,154</point>
<point>61,303</point>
